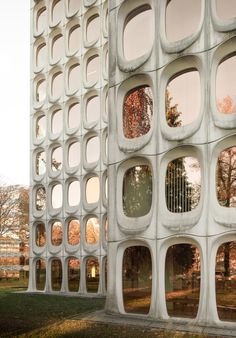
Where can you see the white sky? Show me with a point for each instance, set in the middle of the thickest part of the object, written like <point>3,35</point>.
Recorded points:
<point>15,90</point>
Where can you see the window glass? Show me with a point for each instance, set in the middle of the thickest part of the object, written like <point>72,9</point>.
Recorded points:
<point>73,232</point>
<point>138,33</point>
<point>93,109</point>
<point>40,234</point>
<point>93,149</point>
<point>40,274</point>
<point>226,9</point>
<point>41,19</point>
<point>57,47</point>
<point>137,279</point>
<point>137,191</point>
<point>137,112</point>
<point>40,199</point>
<point>74,154</point>
<point>40,163</point>
<point>106,227</point>
<point>56,275</point>
<point>93,28</point>
<point>183,184</point>
<point>41,90</point>
<point>92,230</point>
<point>226,178</point>
<point>57,11</point>
<point>41,127</point>
<point>225,279</point>
<point>74,115</point>
<point>74,38</point>
<point>186,12</point>
<point>92,275</point>
<point>57,196</point>
<point>57,121</point>
<point>74,193</point>
<point>183,99</point>
<point>182,280</point>
<point>73,274</point>
<point>56,233</point>
<point>74,77</point>
<point>92,190</point>
<point>226,86</point>
<point>57,159</point>
<point>57,85</point>
<point>41,55</point>
<point>74,5</point>
<point>93,69</point>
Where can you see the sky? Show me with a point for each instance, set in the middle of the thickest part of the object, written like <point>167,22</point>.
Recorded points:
<point>15,91</point>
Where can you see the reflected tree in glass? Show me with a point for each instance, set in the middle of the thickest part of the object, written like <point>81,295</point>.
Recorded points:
<point>56,233</point>
<point>92,275</point>
<point>73,232</point>
<point>92,230</point>
<point>56,274</point>
<point>73,274</point>
<point>40,274</point>
<point>40,199</point>
<point>40,234</point>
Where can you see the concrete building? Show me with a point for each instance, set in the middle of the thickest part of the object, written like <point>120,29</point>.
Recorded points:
<point>171,161</point>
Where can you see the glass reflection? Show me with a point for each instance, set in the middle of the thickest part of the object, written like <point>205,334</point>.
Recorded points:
<point>40,274</point>
<point>93,149</point>
<point>74,39</point>
<point>57,196</point>
<point>57,11</point>
<point>182,280</point>
<point>93,69</point>
<point>225,278</point>
<point>73,232</point>
<point>226,86</point>
<point>41,163</point>
<point>56,233</point>
<point>57,47</point>
<point>57,85</point>
<point>226,178</point>
<point>74,77</point>
<point>186,12</point>
<point>41,55</point>
<point>40,235</point>
<point>137,279</point>
<point>92,275</point>
<point>56,275</point>
<point>137,191</point>
<point>226,9</point>
<point>137,112</point>
<point>93,109</point>
<point>73,274</point>
<point>40,90</point>
<point>74,115</point>
<point>57,121</point>
<point>74,154</point>
<point>41,19</point>
<point>93,28</point>
<point>41,127</point>
<point>74,193</point>
<point>40,199</point>
<point>92,230</point>
<point>183,184</point>
<point>74,5</point>
<point>92,190</point>
<point>139,33</point>
<point>57,159</point>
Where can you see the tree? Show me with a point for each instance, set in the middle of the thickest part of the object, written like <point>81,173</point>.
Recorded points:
<point>172,113</point>
<point>8,210</point>
<point>226,105</point>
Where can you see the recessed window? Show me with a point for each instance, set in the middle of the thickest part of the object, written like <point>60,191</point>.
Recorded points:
<point>74,5</point>
<point>74,115</point>
<point>93,149</point>
<point>183,184</point>
<point>138,33</point>
<point>56,274</point>
<point>40,235</point>
<point>183,99</point>
<point>73,274</point>
<point>40,129</point>
<point>226,86</point>
<point>137,112</point>
<point>226,178</point>
<point>182,280</point>
<point>57,121</point>
<point>74,154</point>
<point>74,193</point>
<point>93,69</point>
<point>57,159</point>
<point>41,19</point>
<point>226,9</point>
<point>40,90</point>
<point>106,229</point>
<point>41,55</point>
<point>40,274</point>
<point>225,279</point>
<point>182,18</point>
<point>92,275</point>
<point>137,279</point>
<point>56,198</point>
<point>74,77</point>
<point>56,233</point>
<point>93,109</point>
<point>57,47</point>
<point>57,11</point>
<point>57,85</point>
<point>40,164</point>
<point>93,29</point>
<point>137,191</point>
<point>73,232</point>
<point>92,190</point>
<point>92,230</point>
<point>40,198</point>
<point>74,39</point>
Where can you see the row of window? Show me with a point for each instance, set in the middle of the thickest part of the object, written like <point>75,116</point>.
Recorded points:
<point>73,232</point>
